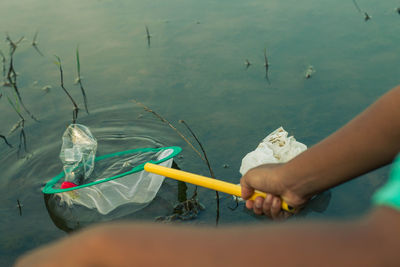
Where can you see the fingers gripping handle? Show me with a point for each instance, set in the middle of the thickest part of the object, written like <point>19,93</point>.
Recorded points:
<point>206,182</point>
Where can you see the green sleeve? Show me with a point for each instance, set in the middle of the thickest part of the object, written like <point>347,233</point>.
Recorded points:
<point>389,194</point>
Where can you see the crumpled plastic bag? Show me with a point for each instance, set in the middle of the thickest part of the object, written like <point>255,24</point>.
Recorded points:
<point>277,147</point>
<point>78,152</point>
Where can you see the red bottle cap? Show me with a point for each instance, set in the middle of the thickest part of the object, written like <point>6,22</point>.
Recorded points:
<point>66,185</point>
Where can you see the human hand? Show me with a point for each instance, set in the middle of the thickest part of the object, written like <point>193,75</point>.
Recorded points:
<point>269,178</point>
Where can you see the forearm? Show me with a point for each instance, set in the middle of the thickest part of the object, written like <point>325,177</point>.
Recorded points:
<point>370,140</point>
<point>362,243</point>
<point>370,242</point>
<point>308,245</point>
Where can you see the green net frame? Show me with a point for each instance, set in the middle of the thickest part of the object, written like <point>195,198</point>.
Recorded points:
<point>48,189</point>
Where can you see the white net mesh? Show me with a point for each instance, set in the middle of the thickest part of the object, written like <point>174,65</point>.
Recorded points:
<point>138,188</point>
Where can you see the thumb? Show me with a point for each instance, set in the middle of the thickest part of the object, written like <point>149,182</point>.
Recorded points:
<point>247,190</point>
<point>256,178</point>
<point>251,180</point>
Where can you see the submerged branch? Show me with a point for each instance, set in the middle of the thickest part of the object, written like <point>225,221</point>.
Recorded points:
<point>3,61</point>
<point>204,158</point>
<point>35,44</point>
<point>19,124</point>
<point>266,65</point>
<point>12,76</point>
<point>22,142</point>
<point>5,140</point>
<point>201,147</point>
<point>13,45</point>
<point>357,6</point>
<point>19,207</point>
<point>16,126</point>
<point>207,162</point>
<point>76,108</point>
<point>366,15</point>
<point>170,125</point>
<point>148,36</point>
<point>37,50</point>
<point>16,108</point>
<point>12,79</point>
<point>79,79</point>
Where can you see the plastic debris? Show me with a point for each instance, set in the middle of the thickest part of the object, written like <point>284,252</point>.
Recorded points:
<point>77,153</point>
<point>134,187</point>
<point>277,147</point>
<point>309,72</point>
<point>46,88</point>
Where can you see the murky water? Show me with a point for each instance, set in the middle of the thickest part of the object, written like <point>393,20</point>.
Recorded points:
<point>194,69</point>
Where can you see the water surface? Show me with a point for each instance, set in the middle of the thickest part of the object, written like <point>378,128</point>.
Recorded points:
<point>193,70</point>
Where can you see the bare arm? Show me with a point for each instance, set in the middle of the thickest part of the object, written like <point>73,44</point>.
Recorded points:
<point>373,241</point>
<point>370,140</point>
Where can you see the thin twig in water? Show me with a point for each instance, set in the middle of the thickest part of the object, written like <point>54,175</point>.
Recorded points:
<point>79,79</point>
<point>357,6</point>
<point>201,147</point>
<point>16,126</point>
<point>207,162</point>
<point>204,158</point>
<point>247,63</point>
<point>366,16</point>
<point>35,44</point>
<point>5,140</point>
<point>170,125</point>
<point>12,75</point>
<point>148,36</point>
<point>176,130</point>
<point>13,45</point>
<point>3,61</point>
<point>76,108</point>
<point>266,64</point>
<point>19,124</point>
<point>16,107</point>
<point>19,207</point>
<point>22,142</point>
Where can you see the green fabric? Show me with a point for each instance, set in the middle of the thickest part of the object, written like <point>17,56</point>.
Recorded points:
<point>389,194</point>
<point>48,189</point>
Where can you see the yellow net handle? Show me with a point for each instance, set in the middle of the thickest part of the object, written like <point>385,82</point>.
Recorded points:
<point>206,182</point>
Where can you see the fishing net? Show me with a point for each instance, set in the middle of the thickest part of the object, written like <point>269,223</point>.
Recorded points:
<point>109,181</point>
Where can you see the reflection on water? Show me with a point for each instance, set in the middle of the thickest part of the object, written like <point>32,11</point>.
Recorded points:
<point>184,60</point>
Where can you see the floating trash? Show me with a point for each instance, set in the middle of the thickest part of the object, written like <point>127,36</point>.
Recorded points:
<point>247,63</point>
<point>109,181</point>
<point>277,147</point>
<point>46,88</point>
<point>78,80</point>
<point>309,72</point>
